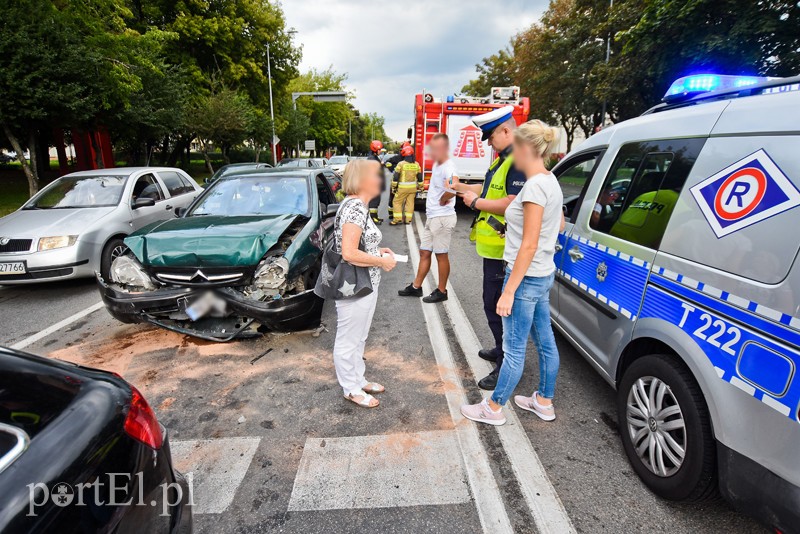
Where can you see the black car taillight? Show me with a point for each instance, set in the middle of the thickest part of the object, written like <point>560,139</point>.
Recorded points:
<point>141,423</point>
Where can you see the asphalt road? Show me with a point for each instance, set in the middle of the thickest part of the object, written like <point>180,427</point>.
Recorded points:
<point>273,446</point>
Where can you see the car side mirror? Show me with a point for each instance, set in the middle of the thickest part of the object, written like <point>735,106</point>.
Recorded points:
<point>330,210</point>
<point>180,212</point>
<point>143,203</point>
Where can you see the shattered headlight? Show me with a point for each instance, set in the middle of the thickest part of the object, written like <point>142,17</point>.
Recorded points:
<point>271,274</point>
<point>126,271</point>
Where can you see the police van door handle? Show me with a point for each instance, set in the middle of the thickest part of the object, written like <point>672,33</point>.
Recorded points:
<point>575,253</point>
<point>559,248</point>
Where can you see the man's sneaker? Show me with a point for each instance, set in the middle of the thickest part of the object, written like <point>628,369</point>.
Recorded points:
<point>548,413</point>
<point>487,354</point>
<point>436,296</point>
<point>410,291</point>
<point>489,382</point>
<point>483,413</point>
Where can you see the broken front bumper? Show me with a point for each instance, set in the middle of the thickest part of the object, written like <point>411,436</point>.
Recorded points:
<point>291,313</point>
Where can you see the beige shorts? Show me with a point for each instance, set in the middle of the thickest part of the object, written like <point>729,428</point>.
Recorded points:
<point>437,234</point>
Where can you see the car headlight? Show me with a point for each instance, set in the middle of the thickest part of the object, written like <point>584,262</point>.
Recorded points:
<point>271,274</point>
<point>126,271</point>
<point>56,241</point>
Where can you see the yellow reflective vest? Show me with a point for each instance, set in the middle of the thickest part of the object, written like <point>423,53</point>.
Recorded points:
<point>406,175</point>
<point>488,243</point>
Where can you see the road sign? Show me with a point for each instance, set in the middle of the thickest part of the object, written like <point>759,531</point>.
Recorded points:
<point>350,149</point>
<point>276,140</point>
<point>311,144</point>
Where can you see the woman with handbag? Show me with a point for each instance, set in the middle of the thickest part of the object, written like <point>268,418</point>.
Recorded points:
<point>353,280</point>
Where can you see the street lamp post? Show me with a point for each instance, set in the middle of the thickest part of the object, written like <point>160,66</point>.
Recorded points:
<point>608,57</point>
<point>271,112</point>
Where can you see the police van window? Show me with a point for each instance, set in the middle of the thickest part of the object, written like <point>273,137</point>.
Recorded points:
<point>573,177</point>
<point>642,188</point>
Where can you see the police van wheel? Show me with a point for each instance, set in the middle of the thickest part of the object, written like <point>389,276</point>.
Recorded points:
<point>666,429</point>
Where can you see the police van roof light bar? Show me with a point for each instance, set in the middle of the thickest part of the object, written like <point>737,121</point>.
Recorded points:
<point>704,83</point>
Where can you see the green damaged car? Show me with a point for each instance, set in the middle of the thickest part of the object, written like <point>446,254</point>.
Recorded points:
<point>241,260</point>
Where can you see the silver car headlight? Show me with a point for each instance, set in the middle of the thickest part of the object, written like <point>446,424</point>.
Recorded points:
<point>56,241</point>
<point>271,274</point>
<point>126,271</point>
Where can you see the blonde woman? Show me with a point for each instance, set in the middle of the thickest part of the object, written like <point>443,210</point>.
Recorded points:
<point>362,182</point>
<point>533,221</point>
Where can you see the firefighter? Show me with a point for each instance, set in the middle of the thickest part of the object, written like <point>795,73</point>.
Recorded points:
<point>390,165</point>
<point>375,148</point>
<point>406,181</point>
<point>502,183</point>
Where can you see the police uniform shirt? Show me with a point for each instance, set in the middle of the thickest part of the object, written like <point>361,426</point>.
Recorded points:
<point>515,178</point>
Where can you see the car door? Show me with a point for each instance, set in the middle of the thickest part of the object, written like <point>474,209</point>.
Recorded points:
<point>180,189</point>
<point>326,198</point>
<point>607,255</point>
<point>147,186</point>
<point>574,175</point>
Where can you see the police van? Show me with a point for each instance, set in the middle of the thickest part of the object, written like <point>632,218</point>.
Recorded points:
<point>678,280</point>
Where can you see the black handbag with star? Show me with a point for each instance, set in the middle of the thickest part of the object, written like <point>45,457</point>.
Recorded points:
<point>338,279</point>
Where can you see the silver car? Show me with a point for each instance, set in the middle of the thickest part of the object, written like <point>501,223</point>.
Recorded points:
<point>75,225</point>
<point>678,281</point>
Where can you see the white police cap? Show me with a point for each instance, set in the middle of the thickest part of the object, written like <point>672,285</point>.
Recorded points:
<point>489,121</point>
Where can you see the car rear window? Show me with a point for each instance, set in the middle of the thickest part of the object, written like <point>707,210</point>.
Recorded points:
<point>31,401</point>
<point>176,184</point>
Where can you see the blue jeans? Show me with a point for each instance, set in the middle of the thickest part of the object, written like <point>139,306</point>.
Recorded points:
<point>530,315</point>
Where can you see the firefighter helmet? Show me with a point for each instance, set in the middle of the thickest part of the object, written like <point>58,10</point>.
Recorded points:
<point>405,144</point>
<point>376,146</point>
<point>406,151</point>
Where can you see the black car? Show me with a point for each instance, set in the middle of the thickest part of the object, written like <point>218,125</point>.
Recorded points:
<point>82,451</point>
<point>235,167</point>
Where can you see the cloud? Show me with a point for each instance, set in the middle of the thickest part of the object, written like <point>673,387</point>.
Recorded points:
<point>392,50</point>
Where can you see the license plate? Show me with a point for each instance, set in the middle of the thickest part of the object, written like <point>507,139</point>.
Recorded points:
<point>14,267</point>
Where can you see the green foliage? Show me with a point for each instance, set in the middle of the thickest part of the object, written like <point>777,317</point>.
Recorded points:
<point>497,70</point>
<point>223,118</point>
<point>560,61</point>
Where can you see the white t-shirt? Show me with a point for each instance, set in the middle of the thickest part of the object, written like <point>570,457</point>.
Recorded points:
<point>440,175</point>
<point>541,189</point>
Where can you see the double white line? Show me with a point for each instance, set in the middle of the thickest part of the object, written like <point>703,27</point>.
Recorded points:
<point>546,508</point>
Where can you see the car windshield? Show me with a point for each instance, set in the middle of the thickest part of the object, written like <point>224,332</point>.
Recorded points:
<point>261,195</point>
<point>80,192</point>
<point>338,160</point>
<point>290,163</point>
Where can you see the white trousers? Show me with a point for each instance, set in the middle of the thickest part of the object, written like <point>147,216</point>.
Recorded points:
<point>353,320</point>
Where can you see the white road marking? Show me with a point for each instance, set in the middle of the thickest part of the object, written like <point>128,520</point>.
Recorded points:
<point>416,469</point>
<point>56,327</point>
<point>546,507</point>
<point>485,492</point>
<point>217,468</point>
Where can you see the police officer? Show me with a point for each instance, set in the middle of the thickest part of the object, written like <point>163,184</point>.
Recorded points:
<point>375,148</point>
<point>503,182</point>
<point>406,181</point>
<point>391,165</point>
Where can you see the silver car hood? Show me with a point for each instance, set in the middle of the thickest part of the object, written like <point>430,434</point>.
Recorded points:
<point>50,222</point>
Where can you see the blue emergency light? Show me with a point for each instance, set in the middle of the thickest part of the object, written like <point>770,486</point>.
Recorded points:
<point>704,83</point>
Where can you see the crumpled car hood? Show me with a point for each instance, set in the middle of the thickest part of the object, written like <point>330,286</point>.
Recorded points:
<point>208,241</point>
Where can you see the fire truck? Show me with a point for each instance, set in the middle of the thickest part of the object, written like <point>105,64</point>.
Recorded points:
<point>453,115</point>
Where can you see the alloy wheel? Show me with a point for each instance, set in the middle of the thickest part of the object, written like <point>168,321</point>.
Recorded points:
<point>656,426</point>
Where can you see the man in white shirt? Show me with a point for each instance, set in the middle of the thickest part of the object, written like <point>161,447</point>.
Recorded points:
<point>441,218</point>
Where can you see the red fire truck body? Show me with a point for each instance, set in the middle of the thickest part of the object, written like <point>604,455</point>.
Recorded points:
<point>453,116</point>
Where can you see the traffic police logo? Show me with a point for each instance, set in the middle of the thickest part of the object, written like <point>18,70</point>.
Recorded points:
<point>602,271</point>
<point>744,193</point>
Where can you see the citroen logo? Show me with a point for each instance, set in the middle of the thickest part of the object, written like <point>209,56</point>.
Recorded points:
<point>5,240</point>
<point>200,274</point>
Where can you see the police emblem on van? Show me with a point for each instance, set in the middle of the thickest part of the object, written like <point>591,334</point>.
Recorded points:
<point>602,271</point>
<point>744,193</point>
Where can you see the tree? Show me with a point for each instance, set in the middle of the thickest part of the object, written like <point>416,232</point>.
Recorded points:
<point>328,120</point>
<point>497,70</point>
<point>223,119</point>
<point>295,130</point>
<point>260,132</point>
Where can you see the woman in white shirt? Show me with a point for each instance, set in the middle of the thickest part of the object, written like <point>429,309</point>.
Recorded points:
<point>533,221</point>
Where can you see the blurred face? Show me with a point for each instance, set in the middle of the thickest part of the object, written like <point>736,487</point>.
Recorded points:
<point>501,138</point>
<point>439,149</point>
<point>371,180</point>
<point>524,155</point>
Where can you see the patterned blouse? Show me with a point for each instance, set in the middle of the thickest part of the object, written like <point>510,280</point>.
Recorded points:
<point>353,210</point>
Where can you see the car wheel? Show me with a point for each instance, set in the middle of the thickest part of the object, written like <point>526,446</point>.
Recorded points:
<point>113,250</point>
<point>666,429</point>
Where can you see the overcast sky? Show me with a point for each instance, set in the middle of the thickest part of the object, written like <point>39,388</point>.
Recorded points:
<point>391,50</point>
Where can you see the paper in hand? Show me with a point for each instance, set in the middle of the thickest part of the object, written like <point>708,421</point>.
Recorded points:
<point>401,258</point>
